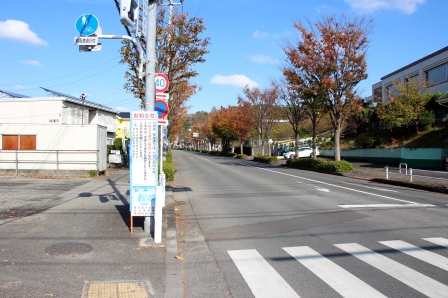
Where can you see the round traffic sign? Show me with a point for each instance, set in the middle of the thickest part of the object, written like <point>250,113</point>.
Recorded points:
<point>87,24</point>
<point>161,107</point>
<point>162,82</point>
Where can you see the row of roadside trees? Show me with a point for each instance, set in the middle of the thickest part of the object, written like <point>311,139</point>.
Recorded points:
<point>321,71</point>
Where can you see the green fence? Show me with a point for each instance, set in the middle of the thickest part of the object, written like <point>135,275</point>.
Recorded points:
<point>413,157</point>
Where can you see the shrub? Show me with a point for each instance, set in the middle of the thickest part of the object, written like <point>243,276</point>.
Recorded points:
<point>169,170</point>
<point>204,151</point>
<point>265,158</point>
<point>168,167</point>
<point>320,164</point>
<point>364,141</point>
<point>93,173</point>
<point>227,154</point>
<point>214,152</point>
<point>427,119</point>
<point>241,156</point>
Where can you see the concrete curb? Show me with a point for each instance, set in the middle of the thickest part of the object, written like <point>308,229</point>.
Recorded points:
<point>173,278</point>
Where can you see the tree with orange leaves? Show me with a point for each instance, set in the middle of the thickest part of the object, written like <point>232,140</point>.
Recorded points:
<point>243,122</point>
<point>327,63</point>
<point>222,126</point>
<point>265,110</point>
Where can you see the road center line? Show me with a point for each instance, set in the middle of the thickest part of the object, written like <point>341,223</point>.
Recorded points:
<point>355,190</point>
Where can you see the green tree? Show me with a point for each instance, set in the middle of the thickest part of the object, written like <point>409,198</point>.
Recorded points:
<point>411,98</point>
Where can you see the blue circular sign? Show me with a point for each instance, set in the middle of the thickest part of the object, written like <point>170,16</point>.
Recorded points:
<point>87,24</point>
<point>161,107</point>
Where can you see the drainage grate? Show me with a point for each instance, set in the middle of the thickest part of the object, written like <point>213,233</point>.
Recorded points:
<point>118,289</point>
<point>68,248</point>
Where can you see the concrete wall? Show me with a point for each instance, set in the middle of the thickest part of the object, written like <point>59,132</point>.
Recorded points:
<point>43,112</point>
<point>71,141</point>
<point>414,157</point>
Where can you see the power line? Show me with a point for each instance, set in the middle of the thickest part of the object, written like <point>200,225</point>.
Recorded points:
<point>65,75</point>
<point>71,81</point>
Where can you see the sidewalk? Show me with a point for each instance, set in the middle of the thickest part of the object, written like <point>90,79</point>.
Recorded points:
<point>83,247</point>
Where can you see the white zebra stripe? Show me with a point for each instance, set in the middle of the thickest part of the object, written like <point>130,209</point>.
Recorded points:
<point>406,275</point>
<point>261,278</point>
<point>418,253</point>
<point>438,240</point>
<point>336,277</point>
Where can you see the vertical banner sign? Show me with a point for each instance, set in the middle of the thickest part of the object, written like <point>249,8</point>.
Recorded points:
<point>143,157</point>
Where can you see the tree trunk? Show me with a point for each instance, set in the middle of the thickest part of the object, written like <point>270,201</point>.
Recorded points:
<point>241,148</point>
<point>337,141</point>
<point>296,145</point>
<point>313,140</point>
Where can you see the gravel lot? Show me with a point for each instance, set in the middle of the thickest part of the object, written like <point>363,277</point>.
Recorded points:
<point>22,196</point>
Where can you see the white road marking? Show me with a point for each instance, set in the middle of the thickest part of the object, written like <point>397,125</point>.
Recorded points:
<point>376,188</point>
<point>336,277</point>
<point>322,189</point>
<point>406,275</point>
<point>418,253</point>
<point>261,278</point>
<point>387,206</point>
<point>338,186</point>
<point>438,240</point>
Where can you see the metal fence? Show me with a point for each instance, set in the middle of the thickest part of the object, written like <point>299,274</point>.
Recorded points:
<point>403,170</point>
<point>48,157</point>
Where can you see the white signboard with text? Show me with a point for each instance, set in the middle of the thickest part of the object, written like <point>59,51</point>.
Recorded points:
<point>143,162</point>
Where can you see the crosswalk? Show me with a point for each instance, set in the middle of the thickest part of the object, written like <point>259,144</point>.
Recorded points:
<point>264,281</point>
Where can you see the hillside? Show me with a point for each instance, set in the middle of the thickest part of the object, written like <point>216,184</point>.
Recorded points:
<point>403,137</point>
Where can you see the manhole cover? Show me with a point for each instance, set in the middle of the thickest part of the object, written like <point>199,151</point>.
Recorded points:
<point>68,248</point>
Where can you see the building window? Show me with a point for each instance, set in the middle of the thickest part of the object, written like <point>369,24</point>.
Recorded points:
<point>391,92</point>
<point>378,95</point>
<point>18,142</point>
<point>436,75</point>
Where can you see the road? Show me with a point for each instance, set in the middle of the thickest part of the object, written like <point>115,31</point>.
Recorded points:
<point>252,230</point>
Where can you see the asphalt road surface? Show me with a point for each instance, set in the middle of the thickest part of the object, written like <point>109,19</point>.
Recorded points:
<point>247,229</point>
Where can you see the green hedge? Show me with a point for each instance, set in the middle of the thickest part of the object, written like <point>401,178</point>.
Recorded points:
<point>227,154</point>
<point>241,156</point>
<point>320,164</point>
<point>168,167</point>
<point>214,152</point>
<point>265,158</point>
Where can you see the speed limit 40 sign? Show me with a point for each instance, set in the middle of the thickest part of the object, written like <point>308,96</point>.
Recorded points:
<point>162,82</point>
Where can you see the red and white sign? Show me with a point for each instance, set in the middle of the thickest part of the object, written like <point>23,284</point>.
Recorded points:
<point>161,95</point>
<point>163,122</point>
<point>162,82</point>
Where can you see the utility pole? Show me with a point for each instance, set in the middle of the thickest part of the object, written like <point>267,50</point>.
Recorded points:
<point>150,86</point>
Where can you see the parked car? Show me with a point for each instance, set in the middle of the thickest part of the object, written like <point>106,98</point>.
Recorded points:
<point>303,152</point>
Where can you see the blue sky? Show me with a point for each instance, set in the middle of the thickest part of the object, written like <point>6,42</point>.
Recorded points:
<point>36,44</point>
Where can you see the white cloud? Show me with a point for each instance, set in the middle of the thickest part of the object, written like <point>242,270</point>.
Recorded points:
<point>234,80</point>
<point>20,31</point>
<point>22,87</point>
<point>259,34</point>
<point>31,62</point>
<point>262,59</point>
<point>408,6</point>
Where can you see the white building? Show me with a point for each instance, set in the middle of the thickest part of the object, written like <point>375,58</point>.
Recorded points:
<point>47,134</point>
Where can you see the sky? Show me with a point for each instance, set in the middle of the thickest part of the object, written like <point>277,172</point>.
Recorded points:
<point>37,48</point>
